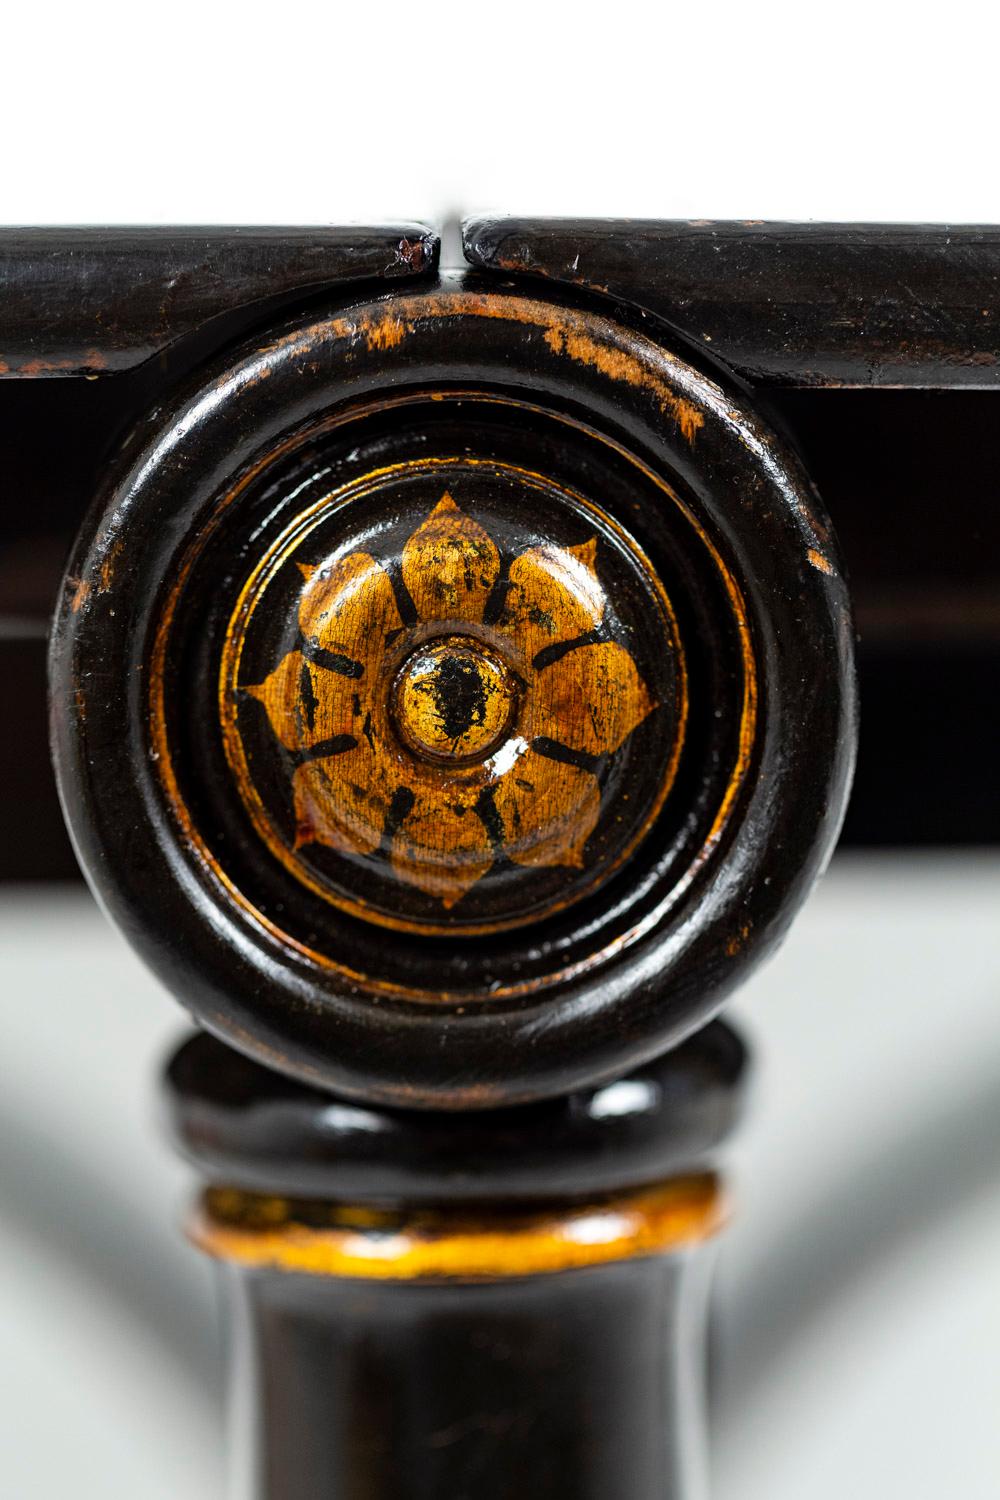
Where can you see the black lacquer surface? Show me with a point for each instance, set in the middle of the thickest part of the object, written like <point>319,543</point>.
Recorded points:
<point>907,475</point>
<point>578,1386</point>
<point>95,302</point>
<point>250,1128</point>
<point>807,304</point>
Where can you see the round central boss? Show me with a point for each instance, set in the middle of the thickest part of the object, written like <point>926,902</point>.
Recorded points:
<point>453,700</point>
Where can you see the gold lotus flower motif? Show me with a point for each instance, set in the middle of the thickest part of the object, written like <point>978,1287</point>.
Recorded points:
<point>473,735</point>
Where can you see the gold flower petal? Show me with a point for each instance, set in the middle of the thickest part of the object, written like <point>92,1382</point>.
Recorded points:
<point>348,609</point>
<point>450,564</point>
<point>308,704</point>
<point>554,595</point>
<point>443,848</point>
<point>340,803</point>
<point>548,810</point>
<point>361,785</point>
<point>591,699</point>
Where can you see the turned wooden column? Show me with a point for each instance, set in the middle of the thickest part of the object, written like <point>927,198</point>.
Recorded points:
<point>421,1305</point>
<point>453,702</point>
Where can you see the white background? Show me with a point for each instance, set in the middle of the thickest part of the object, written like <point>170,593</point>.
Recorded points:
<point>858,1295</point>
<point>310,112</point>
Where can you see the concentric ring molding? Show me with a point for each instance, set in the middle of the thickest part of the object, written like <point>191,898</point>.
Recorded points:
<point>477,817</point>
<point>579,992</point>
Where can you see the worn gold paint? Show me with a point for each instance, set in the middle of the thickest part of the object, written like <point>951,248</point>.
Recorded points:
<point>80,593</point>
<point>565,331</point>
<point>80,589</point>
<point>819,561</point>
<point>589,700</point>
<point>387,334</point>
<point>736,942</point>
<point>108,566</point>
<point>449,565</point>
<point>428,1245</point>
<point>615,363</point>
<point>92,359</point>
<point>418,693</point>
<point>549,584</point>
<point>549,811</point>
<point>192,836</point>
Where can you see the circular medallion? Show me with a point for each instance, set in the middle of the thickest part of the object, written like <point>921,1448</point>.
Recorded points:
<point>430,689</point>
<point>453,695</point>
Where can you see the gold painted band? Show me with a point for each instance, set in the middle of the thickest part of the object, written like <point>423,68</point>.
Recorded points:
<point>319,1239</point>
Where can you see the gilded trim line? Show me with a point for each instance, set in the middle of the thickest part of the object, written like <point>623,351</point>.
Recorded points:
<point>318,1239</point>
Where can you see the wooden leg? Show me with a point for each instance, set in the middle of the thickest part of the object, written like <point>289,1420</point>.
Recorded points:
<point>520,1313</point>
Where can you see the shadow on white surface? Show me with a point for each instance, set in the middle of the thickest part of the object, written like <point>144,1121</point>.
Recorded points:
<point>856,1293</point>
